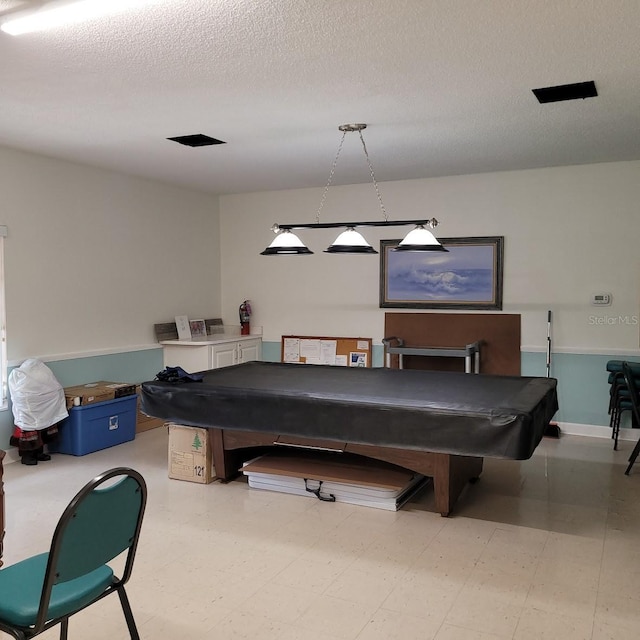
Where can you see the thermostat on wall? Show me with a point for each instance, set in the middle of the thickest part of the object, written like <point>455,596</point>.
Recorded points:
<point>601,298</point>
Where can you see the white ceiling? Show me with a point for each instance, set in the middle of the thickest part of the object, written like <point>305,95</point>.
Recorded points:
<point>444,86</point>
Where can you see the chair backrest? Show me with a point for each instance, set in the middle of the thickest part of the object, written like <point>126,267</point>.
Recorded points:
<point>98,525</point>
<point>633,390</point>
<point>102,521</point>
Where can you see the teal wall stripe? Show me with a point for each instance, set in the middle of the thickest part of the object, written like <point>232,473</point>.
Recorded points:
<point>583,390</point>
<point>271,351</point>
<point>133,366</point>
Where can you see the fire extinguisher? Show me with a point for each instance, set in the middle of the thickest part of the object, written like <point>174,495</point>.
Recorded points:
<point>245,314</point>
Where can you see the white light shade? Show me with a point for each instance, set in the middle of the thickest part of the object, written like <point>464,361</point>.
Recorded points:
<point>420,239</point>
<point>57,14</point>
<point>351,238</point>
<point>419,235</point>
<point>286,242</point>
<point>350,241</point>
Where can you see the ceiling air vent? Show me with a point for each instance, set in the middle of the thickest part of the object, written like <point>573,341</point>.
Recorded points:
<point>197,140</point>
<point>576,91</point>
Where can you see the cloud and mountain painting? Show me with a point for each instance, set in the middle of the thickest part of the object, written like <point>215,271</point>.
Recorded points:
<point>466,276</point>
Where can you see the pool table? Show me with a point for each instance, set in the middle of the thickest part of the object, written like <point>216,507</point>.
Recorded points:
<point>440,424</point>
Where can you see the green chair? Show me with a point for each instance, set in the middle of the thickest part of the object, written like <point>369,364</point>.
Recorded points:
<point>634,397</point>
<point>100,524</point>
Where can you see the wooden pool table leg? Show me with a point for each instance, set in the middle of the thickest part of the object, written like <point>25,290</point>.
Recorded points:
<point>223,462</point>
<point>451,474</point>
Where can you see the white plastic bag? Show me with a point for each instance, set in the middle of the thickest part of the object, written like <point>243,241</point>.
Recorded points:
<point>37,397</point>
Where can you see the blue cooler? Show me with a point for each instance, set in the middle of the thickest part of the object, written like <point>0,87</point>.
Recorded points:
<point>97,426</point>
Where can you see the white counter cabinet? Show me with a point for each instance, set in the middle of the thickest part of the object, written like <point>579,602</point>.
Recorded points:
<point>211,352</point>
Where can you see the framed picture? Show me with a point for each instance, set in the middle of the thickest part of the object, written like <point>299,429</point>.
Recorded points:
<point>198,328</point>
<point>468,276</point>
<point>182,325</point>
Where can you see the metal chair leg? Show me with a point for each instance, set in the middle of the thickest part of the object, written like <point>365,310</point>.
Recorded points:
<point>632,457</point>
<point>616,415</point>
<point>64,629</point>
<point>128,615</point>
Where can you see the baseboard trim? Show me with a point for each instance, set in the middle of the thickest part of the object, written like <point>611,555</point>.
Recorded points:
<point>12,456</point>
<point>595,431</point>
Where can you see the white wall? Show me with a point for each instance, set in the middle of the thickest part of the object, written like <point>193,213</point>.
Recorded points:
<point>569,232</point>
<point>94,258</point>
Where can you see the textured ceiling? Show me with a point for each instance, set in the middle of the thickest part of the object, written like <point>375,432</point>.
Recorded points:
<point>444,85</point>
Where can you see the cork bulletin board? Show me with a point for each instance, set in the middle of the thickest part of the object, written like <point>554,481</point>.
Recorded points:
<point>343,352</point>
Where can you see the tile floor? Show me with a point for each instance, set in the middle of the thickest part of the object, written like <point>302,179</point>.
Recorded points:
<point>545,548</point>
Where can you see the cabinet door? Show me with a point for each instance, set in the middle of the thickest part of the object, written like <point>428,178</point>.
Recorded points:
<point>188,357</point>
<point>224,355</point>
<point>250,350</point>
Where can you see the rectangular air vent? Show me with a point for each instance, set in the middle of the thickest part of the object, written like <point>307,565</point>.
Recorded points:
<point>576,91</point>
<point>197,140</point>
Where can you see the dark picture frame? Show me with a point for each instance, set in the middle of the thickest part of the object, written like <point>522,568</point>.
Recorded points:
<point>467,276</point>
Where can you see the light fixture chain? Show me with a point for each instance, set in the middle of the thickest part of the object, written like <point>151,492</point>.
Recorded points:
<point>373,178</point>
<point>333,169</point>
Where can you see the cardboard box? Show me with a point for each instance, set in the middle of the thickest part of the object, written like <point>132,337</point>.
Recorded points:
<point>93,392</point>
<point>190,454</point>
<point>97,426</point>
<point>146,423</point>
<point>143,421</point>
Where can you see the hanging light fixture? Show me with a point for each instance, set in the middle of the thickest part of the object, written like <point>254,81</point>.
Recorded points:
<point>284,243</point>
<point>350,240</point>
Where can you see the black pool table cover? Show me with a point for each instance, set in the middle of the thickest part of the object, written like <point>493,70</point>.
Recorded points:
<point>445,412</point>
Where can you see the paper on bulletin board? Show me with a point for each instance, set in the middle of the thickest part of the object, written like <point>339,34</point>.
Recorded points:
<point>292,350</point>
<point>357,359</point>
<point>310,350</point>
<point>316,351</point>
<point>341,361</point>
<point>328,350</point>
<point>362,345</point>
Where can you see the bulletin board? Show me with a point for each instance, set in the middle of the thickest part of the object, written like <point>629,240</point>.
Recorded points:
<point>343,352</point>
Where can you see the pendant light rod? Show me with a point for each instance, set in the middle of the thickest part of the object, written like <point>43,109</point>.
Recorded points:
<point>335,225</point>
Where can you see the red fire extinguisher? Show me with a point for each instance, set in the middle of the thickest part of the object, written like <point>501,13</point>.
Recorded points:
<point>245,314</point>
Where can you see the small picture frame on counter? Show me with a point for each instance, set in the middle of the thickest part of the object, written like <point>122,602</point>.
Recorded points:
<point>198,329</point>
<point>182,325</point>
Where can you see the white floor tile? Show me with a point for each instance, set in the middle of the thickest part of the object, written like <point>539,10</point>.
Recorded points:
<point>542,548</point>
